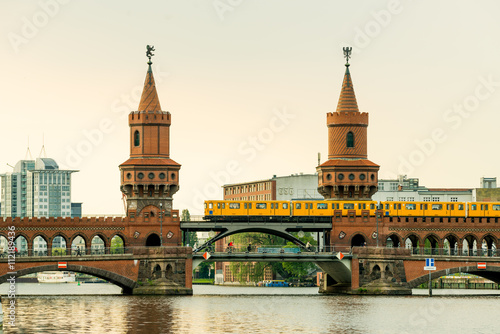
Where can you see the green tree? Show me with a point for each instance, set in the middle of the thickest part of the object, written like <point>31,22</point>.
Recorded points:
<point>190,237</point>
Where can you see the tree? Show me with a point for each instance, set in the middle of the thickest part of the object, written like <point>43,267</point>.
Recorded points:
<point>190,237</point>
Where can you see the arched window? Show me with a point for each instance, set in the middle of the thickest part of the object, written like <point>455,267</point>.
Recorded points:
<point>137,140</point>
<point>350,139</point>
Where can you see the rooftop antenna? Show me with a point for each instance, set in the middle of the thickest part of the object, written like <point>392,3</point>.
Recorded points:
<point>28,151</point>
<point>10,166</point>
<point>319,158</point>
<point>43,153</point>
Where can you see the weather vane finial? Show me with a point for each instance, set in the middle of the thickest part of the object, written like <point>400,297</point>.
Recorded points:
<point>347,54</point>
<point>149,52</point>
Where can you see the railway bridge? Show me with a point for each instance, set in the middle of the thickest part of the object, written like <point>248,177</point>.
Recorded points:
<point>382,254</point>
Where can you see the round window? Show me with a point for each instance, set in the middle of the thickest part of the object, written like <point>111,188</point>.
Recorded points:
<point>151,175</point>
<point>172,176</point>
<point>328,176</point>
<point>362,177</point>
<point>129,176</point>
<point>351,176</point>
<point>140,175</point>
<point>162,176</point>
<point>340,176</point>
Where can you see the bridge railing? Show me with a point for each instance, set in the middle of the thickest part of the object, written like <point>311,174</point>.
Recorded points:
<point>58,252</point>
<point>456,252</point>
<point>274,249</point>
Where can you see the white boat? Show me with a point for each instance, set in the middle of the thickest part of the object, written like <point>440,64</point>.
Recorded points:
<point>56,277</point>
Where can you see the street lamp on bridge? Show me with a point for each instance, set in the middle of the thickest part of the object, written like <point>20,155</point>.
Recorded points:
<point>161,224</point>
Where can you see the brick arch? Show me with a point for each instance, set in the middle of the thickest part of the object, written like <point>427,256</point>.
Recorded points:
<point>419,239</point>
<point>434,236</point>
<point>79,234</point>
<point>495,239</point>
<point>119,234</point>
<point>451,234</point>
<point>125,283</point>
<point>394,234</point>
<point>492,273</point>
<point>353,234</point>
<point>41,234</point>
<point>28,240</point>
<point>103,238</point>
<point>62,235</point>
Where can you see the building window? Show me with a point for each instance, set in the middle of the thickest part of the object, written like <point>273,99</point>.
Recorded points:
<point>427,199</point>
<point>394,186</point>
<point>411,199</point>
<point>390,199</point>
<point>350,139</point>
<point>137,140</point>
<point>454,199</point>
<point>435,199</point>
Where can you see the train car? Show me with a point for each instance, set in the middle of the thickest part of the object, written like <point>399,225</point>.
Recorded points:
<point>301,208</point>
<point>476,209</point>
<point>492,209</point>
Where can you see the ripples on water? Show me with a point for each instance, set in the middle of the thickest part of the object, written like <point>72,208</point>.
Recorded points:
<point>226,310</point>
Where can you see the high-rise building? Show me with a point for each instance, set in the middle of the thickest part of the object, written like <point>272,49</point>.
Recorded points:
<point>36,188</point>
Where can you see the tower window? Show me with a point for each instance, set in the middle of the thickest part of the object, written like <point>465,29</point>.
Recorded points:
<point>350,139</point>
<point>137,140</point>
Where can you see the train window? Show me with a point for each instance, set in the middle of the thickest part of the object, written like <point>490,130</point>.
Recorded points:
<point>245,205</point>
<point>372,206</point>
<point>223,205</point>
<point>484,207</point>
<point>495,207</point>
<point>210,205</point>
<point>218,205</point>
<point>425,206</point>
<point>460,207</point>
<point>437,207</point>
<point>387,206</point>
<point>410,206</point>
<point>348,206</point>
<point>261,206</point>
<point>364,206</point>
<point>338,206</point>
<point>452,206</point>
<point>322,206</point>
<point>473,207</point>
<point>285,206</point>
<point>272,205</point>
<point>399,206</point>
<point>234,205</point>
<point>297,205</point>
<point>205,205</point>
<point>249,205</point>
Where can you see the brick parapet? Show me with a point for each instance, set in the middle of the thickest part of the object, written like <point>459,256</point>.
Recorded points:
<point>347,118</point>
<point>148,118</point>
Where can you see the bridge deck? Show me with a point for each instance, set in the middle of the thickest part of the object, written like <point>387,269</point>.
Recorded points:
<point>270,257</point>
<point>256,225</point>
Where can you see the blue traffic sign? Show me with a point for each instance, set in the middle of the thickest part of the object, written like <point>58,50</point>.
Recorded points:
<point>429,262</point>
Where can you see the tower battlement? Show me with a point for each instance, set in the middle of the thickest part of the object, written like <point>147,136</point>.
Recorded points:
<point>347,118</point>
<point>148,118</point>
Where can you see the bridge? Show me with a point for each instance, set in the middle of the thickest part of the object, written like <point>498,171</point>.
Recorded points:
<point>137,270</point>
<point>394,267</point>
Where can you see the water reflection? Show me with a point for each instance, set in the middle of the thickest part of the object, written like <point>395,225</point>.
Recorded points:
<point>223,310</point>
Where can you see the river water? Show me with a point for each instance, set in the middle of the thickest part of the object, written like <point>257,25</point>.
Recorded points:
<point>216,309</point>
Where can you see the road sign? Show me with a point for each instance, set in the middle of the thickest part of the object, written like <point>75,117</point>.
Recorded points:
<point>339,255</point>
<point>206,255</point>
<point>481,265</point>
<point>429,264</point>
<point>62,265</point>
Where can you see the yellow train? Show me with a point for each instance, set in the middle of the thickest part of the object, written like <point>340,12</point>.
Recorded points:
<point>441,209</point>
<point>300,209</point>
<point>285,210</point>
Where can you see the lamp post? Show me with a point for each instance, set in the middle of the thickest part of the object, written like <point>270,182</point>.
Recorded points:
<point>161,224</point>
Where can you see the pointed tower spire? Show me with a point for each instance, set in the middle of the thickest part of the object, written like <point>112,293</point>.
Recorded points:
<point>149,98</point>
<point>347,99</point>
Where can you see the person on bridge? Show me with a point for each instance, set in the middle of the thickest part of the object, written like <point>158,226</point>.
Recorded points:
<point>308,246</point>
<point>249,248</point>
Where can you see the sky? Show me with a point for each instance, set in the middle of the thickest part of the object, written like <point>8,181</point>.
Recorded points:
<point>248,84</point>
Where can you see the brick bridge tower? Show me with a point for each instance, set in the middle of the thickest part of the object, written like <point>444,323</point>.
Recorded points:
<point>347,174</point>
<point>149,178</point>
